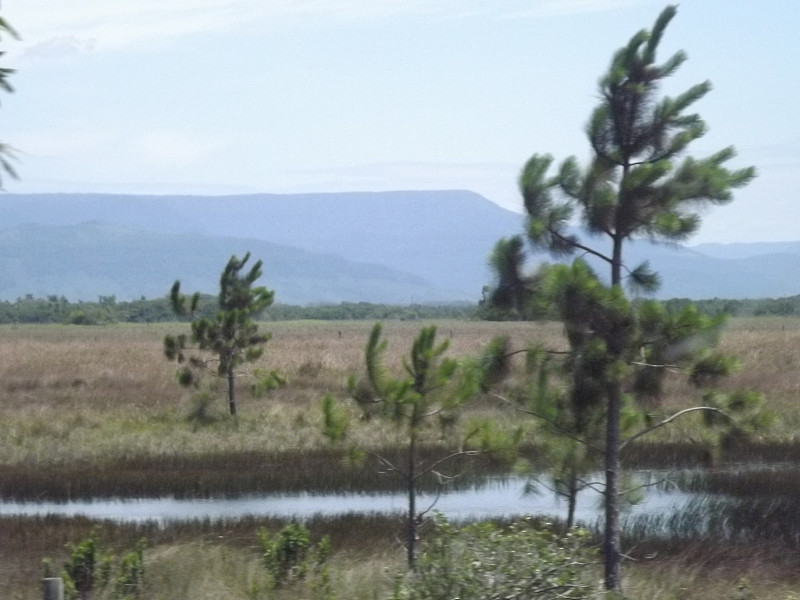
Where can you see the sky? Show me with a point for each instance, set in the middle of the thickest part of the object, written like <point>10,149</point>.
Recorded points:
<point>289,96</point>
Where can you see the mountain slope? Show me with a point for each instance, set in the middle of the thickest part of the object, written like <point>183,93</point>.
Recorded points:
<point>82,262</point>
<point>444,237</point>
<point>394,247</point>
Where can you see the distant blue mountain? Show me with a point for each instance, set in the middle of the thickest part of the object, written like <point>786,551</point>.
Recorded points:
<point>439,239</point>
<point>391,247</point>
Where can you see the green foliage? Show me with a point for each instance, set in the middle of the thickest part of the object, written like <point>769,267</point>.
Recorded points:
<point>79,572</point>
<point>366,311</point>
<point>230,337</point>
<point>100,313</point>
<point>6,151</point>
<point>431,392</point>
<point>484,561</point>
<point>131,573</point>
<point>433,385</point>
<point>91,572</point>
<point>289,556</point>
<point>335,419</point>
<point>637,184</point>
<point>58,309</point>
<point>499,444</point>
<point>203,411</point>
<point>266,381</point>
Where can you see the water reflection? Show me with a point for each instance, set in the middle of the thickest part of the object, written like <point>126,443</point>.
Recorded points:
<point>504,497</point>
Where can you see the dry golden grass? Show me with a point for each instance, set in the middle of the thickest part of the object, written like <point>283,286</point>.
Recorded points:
<point>74,395</point>
<point>107,393</point>
<point>71,394</point>
<point>704,572</point>
<point>203,559</point>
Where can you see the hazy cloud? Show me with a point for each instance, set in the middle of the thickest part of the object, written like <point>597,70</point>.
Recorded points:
<point>551,8</point>
<point>171,148</point>
<point>495,181</point>
<point>58,47</point>
<point>54,30</point>
<point>70,140</point>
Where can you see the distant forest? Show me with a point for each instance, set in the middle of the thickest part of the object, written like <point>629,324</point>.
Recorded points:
<point>107,310</point>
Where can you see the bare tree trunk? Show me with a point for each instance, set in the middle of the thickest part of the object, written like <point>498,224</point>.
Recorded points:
<point>572,497</point>
<point>611,540</point>
<point>411,530</point>
<point>231,392</point>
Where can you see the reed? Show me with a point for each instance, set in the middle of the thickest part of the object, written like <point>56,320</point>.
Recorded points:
<point>220,559</point>
<point>229,475</point>
<point>200,559</point>
<point>95,411</point>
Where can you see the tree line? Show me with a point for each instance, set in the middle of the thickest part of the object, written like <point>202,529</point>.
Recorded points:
<point>53,309</point>
<point>108,310</point>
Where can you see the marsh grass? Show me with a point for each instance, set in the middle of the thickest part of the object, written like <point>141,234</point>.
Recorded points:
<point>202,559</point>
<point>94,405</point>
<point>96,410</point>
<point>90,411</point>
<point>220,559</point>
<point>709,571</point>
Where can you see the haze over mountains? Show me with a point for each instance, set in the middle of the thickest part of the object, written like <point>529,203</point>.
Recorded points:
<point>389,247</point>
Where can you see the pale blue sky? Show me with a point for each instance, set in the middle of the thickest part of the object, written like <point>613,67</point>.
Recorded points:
<point>229,96</point>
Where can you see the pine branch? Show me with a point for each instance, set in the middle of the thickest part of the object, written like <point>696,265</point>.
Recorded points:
<point>557,427</point>
<point>444,459</point>
<point>671,418</point>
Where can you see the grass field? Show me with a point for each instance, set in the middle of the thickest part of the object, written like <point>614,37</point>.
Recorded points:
<point>97,410</point>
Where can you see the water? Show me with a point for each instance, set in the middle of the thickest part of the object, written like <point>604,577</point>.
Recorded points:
<point>496,498</point>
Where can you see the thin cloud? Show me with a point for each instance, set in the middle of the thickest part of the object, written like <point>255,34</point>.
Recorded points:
<point>54,30</point>
<point>172,148</point>
<point>495,181</point>
<point>555,8</point>
<point>72,139</point>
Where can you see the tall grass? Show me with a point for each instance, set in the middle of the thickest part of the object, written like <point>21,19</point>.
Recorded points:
<point>88,410</point>
<point>219,559</point>
<point>100,404</point>
<point>201,559</point>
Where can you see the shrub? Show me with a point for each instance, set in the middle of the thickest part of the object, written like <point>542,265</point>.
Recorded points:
<point>484,561</point>
<point>289,554</point>
<point>89,570</point>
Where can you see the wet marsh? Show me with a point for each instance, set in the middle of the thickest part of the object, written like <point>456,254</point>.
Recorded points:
<point>96,412</point>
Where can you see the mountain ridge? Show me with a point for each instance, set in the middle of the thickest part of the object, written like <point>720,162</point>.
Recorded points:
<point>82,262</point>
<point>395,247</point>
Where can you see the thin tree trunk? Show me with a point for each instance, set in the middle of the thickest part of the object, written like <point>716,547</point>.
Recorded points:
<point>611,542</point>
<point>231,392</point>
<point>572,498</point>
<point>411,530</point>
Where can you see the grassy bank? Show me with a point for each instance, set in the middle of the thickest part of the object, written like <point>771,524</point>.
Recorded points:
<point>96,411</point>
<point>71,393</point>
<point>217,560</point>
<point>105,398</point>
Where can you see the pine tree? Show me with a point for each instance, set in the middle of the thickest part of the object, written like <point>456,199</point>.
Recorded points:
<point>231,336</point>
<point>638,184</point>
<point>6,152</point>
<point>430,395</point>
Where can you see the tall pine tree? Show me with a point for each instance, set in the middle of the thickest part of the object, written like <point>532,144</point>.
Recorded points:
<point>638,184</point>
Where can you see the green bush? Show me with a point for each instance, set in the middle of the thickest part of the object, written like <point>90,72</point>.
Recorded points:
<point>484,561</point>
<point>289,555</point>
<point>89,570</point>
